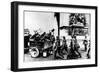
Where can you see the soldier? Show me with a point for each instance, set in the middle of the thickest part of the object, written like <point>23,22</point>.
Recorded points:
<point>56,45</point>
<point>88,52</point>
<point>71,53</point>
<point>57,49</point>
<point>76,47</point>
<point>64,45</point>
<point>85,42</point>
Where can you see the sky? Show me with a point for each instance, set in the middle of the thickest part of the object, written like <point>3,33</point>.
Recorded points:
<point>41,21</point>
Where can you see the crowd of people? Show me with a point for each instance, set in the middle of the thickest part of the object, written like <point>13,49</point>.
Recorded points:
<point>61,49</point>
<point>73,50</point>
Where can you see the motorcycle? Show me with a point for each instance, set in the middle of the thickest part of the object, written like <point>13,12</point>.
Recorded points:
<point>41,45</point>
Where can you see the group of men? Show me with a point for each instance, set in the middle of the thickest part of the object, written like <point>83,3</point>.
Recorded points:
<point>71,51</point>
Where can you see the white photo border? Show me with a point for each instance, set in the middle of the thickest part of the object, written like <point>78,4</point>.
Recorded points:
<point>38,64</point>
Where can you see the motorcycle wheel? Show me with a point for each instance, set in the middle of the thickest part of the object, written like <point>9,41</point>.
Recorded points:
<point>34,52</point>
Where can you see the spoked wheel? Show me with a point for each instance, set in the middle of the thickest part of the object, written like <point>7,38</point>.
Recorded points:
<point>34,52</point>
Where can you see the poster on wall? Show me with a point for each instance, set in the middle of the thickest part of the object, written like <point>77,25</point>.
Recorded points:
<point>52,36</point>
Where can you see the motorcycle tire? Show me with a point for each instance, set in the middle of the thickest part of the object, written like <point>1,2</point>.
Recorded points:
<point>34,52</point>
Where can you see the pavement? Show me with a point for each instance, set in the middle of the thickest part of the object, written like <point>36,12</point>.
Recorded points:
<point>28,58</point>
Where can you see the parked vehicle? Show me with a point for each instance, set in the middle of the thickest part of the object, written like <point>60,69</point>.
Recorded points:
<point>41,45</point>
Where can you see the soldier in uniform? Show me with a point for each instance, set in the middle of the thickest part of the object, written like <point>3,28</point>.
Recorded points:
<point>76,47</point>
<point>88,52</point>
<point>57,49</point>
<point>71,54</point>
<point>64,45</point>
<point>85,42</point>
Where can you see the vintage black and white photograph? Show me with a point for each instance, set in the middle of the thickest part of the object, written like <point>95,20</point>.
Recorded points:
<point>56,36</point>
<point>53,36</point>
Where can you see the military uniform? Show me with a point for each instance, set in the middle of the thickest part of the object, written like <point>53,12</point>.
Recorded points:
<point>64,45</point>
<point>85,42</point>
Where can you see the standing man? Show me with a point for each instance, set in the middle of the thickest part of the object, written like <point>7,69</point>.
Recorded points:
<point>85,42</point>
<point>76,47</point>
<point>64,45</point>
<point>88,52</point>
<point>72,53</point>
<point>56,46</point>
<point>57,49</point>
